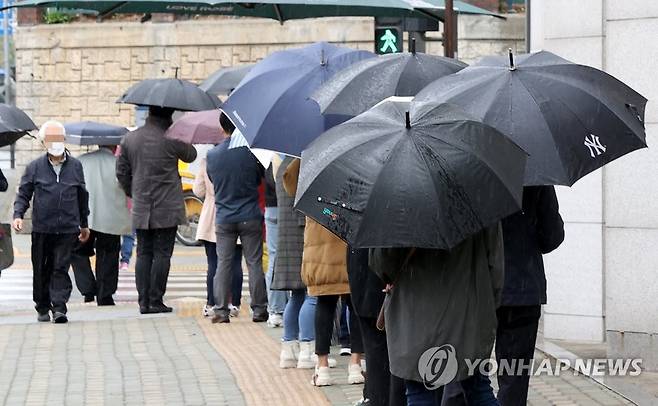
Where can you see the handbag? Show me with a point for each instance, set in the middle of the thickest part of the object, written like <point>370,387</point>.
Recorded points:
<point>6,247</point>
<point>381,318</point>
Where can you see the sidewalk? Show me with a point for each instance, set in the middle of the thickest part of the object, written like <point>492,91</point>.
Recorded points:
<point>113,356</point>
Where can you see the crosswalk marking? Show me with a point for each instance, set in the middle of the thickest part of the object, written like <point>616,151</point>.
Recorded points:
<point>16,286</point>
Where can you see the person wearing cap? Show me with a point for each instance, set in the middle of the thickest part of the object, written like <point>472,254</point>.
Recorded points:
<point>55,183</point>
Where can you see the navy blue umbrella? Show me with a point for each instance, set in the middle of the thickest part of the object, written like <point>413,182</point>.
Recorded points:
<point>271,106</point>
<point>92,133</point>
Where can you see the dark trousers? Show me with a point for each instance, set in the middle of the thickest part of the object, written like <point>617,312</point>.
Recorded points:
<point>251,237</point>
<point>381,388</point>
<point>51,259</point>
<point>475,390</point>
<point>236,286</point>
<point>107,248</point>
<point>154,250</point>
<point>325,314</point>
<point>515,340</point>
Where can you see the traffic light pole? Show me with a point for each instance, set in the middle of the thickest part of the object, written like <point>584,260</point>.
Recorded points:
<point>449,30</point>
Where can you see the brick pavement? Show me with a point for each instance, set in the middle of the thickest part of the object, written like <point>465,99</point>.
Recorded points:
<point>114,356</point>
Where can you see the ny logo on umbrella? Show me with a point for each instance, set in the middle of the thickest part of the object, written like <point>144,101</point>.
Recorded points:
<point>594,144</point>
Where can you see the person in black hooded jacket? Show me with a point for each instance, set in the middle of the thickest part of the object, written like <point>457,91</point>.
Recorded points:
<point>381,388</point>
<point>3,182</point>
<point>536,230</point>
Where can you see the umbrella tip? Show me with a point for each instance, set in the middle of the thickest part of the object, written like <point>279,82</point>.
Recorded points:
<point>322,61</point>
<point>407,119</point>
<point>511,59</point>
<point>413,45</point>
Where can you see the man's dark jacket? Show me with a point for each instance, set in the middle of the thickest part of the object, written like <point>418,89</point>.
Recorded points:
<point>536,230</point>
<point>236,175</point>
<point>61,203</point>
<point>367,288</point>
<point>147,170</point>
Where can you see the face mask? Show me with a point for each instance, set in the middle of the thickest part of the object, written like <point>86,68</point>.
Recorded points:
<point>56,149</point>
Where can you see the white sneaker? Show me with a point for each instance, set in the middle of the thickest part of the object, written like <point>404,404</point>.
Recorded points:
<point>233,311</point>
<point>344,351</point>
<point>355,374</point>
<point>331,361</point>
<point>275,320</point>
<point>288,357</point>
<point>321,377</point>
<point>208,311</point>
<point>306,354</point>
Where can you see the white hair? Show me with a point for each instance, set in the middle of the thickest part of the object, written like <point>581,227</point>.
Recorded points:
<point>41,136</point>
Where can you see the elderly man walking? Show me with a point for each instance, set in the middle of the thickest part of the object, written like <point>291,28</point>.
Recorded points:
<point>109,219</point>
<point>147,170</point>
<point>59,218</point>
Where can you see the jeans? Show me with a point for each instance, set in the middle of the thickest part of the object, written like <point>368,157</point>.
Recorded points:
<point>344,332</point>
<point>299,317</point>
<point>154,250</point>
<point>104,284</point>
<point>251,236</point>
<point>477,391</point>
<point>381,388</point>
<point>515,339</point>
<point>51,259</point>
<point>236,287</point>
<point>127,244</point>
<point>325,314</point>
<point>276,299</point>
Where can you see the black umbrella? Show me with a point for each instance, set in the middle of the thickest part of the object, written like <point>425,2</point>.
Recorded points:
<point>176,94</point>
<point>571,119</point>
<point>429,178</point>
<point>364,84</point>
<point>14,124</point>
<point>225,80</point>
<point>92,133</point>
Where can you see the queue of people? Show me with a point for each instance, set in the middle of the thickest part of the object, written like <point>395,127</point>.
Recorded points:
<point>489,289</point>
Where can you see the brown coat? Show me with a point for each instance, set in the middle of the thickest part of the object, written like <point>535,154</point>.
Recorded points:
<point>324,262</point>
<point>147,170</point>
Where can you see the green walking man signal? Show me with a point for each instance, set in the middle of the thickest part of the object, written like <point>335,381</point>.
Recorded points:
<point>388,40</point>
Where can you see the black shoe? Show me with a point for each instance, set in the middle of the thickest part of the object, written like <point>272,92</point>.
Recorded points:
<point>60,318</point>
<point>108,301</point>
<point>260,318</point>
<point>220,318</point>
<point>89,298</point>
<point>144,310</point>
<point>44,317</point>
<point>161,309</point>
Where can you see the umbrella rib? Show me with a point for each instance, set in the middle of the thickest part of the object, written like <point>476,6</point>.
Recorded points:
<point>279,15</point>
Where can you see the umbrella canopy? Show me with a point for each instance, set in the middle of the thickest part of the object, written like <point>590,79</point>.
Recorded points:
<point>176,94</point>
<point>14,124</point>
<point>571,119</point>
<point>281,10</point>
<point>271,106</point>
<point>407,175</point>
<point>93,133</point>
<point>200,127</point>
<point>364,84</point>
<point>225,80</point>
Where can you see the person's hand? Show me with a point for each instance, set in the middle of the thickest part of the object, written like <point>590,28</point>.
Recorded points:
<point>18,224</point>
<point>84,235</point>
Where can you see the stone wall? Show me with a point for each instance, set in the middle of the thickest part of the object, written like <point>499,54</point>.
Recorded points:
<point>76,71</point>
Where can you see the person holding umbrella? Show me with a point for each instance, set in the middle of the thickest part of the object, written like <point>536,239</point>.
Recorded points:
<point>236,175</point>
<point>424,186</point>
<point>147,170</point>
<point>59,218</point>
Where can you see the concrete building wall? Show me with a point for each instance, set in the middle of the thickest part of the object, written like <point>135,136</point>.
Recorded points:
<point>74,72</point>
<point>603,280</point>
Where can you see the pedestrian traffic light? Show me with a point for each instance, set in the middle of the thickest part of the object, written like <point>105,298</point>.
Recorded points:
<point>388,40</point>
